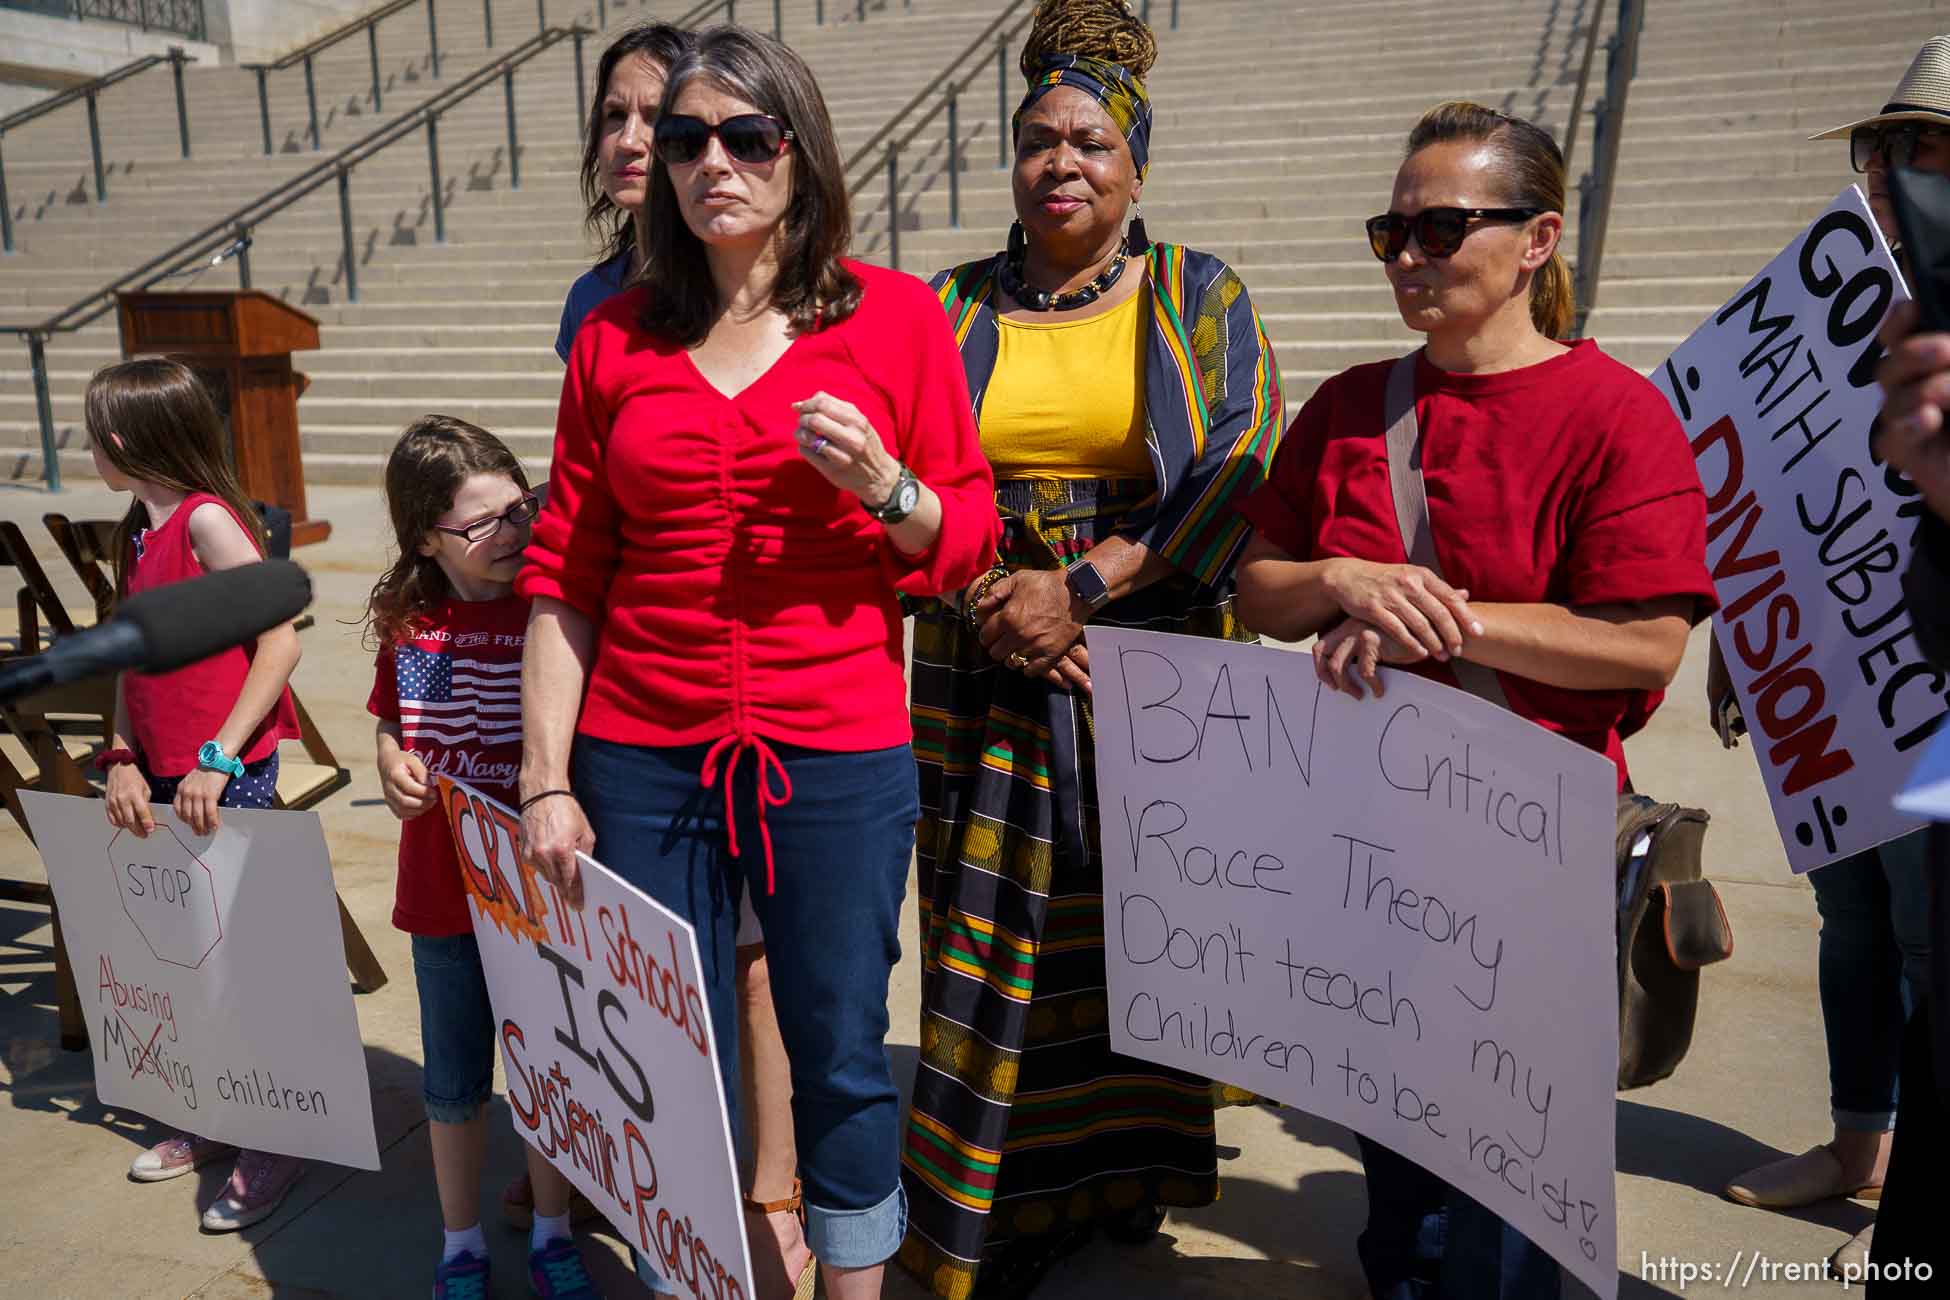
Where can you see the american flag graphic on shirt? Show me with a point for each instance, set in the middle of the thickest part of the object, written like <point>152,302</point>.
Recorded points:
<point>450,700</point>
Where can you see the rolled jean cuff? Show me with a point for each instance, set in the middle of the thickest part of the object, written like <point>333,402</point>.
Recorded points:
<point>858,1238</point>
<point>1865,1121</point>
<point>442,1111</point>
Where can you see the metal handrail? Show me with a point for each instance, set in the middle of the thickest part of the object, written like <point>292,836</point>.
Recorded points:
<point>367,23</point>
<point>88,90</point>
<point>1584,81</point>
<point>1596,187</point>
<point>1001,31</point>
<point>231,235</point>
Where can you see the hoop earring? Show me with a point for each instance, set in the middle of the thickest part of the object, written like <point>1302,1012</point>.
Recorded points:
<point>1137,240</point>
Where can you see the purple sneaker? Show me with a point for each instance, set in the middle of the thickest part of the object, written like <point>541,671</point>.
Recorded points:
<point>556,1272</point>
<point>175,1156</point>
<point>464,1277</point>
<point>256,1188</point>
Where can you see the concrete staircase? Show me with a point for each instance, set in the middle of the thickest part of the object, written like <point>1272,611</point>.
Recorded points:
<point>1279,128</point>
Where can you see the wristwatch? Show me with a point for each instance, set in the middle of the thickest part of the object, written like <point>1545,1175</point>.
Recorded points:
<point>899,505</point>
<point>211,758</point>
<point>1087,585</point>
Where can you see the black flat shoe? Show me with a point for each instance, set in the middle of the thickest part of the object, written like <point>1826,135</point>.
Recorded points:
<point>1025,1262</point>
<point>1134,1227</point>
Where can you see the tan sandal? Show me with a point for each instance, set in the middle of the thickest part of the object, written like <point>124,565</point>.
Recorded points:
<point>794,1205</point>
<point>1813,1176</point>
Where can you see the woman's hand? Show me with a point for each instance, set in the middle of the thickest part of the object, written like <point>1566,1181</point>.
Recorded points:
<point>1405,602</point>
<point>553,831</point>
<point>1029,620</point>
<point>838,441</point>
<point>404,781</point>
<point>1071,671</point>
<point>196,800</point>
<point>128,801</point>
<point>1360,647</point>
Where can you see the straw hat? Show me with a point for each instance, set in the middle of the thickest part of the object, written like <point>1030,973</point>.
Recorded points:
<point>1923,95</point>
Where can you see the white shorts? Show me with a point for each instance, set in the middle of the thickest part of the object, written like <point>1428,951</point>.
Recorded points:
<point>748,931</point>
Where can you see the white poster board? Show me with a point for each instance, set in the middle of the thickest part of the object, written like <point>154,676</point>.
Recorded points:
<point>1808,536</point>
<point>212,975</point>
<point>1396,914</point>
<point>611,1060</point>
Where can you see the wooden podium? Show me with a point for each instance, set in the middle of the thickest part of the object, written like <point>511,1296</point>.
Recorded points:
<point>239,342</point>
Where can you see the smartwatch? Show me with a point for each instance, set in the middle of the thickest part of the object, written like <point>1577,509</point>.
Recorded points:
<point>1087,585</point>
<point>211,758</point>
<point>900,504</point>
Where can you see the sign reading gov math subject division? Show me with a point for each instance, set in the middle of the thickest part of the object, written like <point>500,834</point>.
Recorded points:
<point>1807,534</point>
<point>212,975</point>
<point>1394,913</point>
<point>611,1061</point>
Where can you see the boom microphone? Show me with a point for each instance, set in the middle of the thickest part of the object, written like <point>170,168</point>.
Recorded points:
<point>170,627</point>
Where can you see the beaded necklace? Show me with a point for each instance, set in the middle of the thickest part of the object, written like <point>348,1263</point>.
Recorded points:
<point>1033,299</point>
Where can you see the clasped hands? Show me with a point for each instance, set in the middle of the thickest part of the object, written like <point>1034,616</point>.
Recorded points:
<point>1033,624</point>
<point>1394,614</point>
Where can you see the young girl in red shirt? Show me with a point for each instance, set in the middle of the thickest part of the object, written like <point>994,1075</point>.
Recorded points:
<point>203,737</point>
<point>449,631</point>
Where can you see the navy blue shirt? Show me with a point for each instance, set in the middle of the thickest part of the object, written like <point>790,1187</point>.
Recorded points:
<point>591,290</point>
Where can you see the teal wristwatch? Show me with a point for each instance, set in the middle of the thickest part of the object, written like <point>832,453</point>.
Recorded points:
<point>211,758</point>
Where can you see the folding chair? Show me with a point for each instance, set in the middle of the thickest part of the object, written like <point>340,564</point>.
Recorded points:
<point>56,770</point>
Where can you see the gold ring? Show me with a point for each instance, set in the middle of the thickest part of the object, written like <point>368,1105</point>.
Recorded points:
<point>1018,661</point>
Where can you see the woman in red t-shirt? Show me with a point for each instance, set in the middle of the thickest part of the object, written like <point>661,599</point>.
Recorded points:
<point>1569,547</point>
<point>752,463</point>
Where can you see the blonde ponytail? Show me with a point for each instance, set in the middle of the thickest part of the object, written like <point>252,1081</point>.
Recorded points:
<point>1553,305</point>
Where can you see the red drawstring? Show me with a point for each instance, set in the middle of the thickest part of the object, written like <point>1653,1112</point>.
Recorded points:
<point>768,765</point>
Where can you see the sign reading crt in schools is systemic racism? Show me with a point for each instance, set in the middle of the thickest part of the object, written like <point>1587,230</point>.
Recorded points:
<point>1394,913</point>
<point>1807,534</point>
<point>211,975</point>
<point>611,1060</point>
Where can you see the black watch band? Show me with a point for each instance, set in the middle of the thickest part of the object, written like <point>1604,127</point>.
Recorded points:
<point>901,501</point>
<point>1087,585</point>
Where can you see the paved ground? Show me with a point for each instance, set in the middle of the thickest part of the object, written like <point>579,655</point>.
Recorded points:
<point>72,1225</point>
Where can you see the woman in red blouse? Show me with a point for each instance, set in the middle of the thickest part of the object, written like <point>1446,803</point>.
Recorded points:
<point>1569,547</point>
<point>751,465</point>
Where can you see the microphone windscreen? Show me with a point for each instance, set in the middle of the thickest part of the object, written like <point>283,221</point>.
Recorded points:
<point>184,622</point>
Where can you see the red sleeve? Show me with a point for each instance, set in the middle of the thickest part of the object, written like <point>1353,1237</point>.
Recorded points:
<point>938,440</point>
<point>1639,532</point>
<point>383,703</point>
<point>1281,509</point>
<point>574,550</point>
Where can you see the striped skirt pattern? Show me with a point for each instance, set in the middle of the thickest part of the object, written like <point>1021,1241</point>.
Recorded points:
<point>1023,1120</point>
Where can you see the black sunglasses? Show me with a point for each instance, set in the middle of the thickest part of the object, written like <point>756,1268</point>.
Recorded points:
<point>1440,231</point>
<point>521,512</point>
<point>749,138</point>
<point>1896,145</point>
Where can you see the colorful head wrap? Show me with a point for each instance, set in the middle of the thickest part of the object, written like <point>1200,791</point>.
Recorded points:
<point>1110,84</point>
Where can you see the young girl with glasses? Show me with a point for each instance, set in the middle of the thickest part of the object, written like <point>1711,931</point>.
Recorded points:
<point>449,631</point>
<point>203,737</point>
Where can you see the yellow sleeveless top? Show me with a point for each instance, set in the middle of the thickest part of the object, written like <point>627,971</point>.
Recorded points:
<point>1066,398</point>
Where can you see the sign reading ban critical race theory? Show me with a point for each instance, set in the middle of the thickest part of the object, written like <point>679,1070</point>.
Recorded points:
<point>1393,913</point>
<point>1807,534</point>
<point>212,975</point>
<point>611,1060</point>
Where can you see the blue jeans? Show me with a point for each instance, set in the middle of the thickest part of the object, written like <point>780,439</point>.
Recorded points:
<point>842,847</point>
<point>1427,1241</point>
<point>456,1026</point>
<point>1873,968</point>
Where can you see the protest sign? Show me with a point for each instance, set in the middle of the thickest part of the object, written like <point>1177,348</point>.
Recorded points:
<point>611,1060</point>
<point>211,975</point>
<point>1807,534</point>
<point>1394,913</point>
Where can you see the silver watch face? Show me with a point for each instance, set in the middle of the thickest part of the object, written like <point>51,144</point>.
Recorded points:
<point>907,497</point>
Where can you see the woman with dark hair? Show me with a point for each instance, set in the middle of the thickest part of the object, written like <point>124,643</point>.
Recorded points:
<point>1576,622</point>
<point>615,183</point>
<point>1128,400</point>
<point>712,688</point>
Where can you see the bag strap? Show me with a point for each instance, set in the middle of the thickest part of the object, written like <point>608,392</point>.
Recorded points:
<point>1404,440</point>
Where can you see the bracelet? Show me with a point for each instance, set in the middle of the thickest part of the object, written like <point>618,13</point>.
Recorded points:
<point>978,592</point>
<point>113,758</point>
<point>532,800</point>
